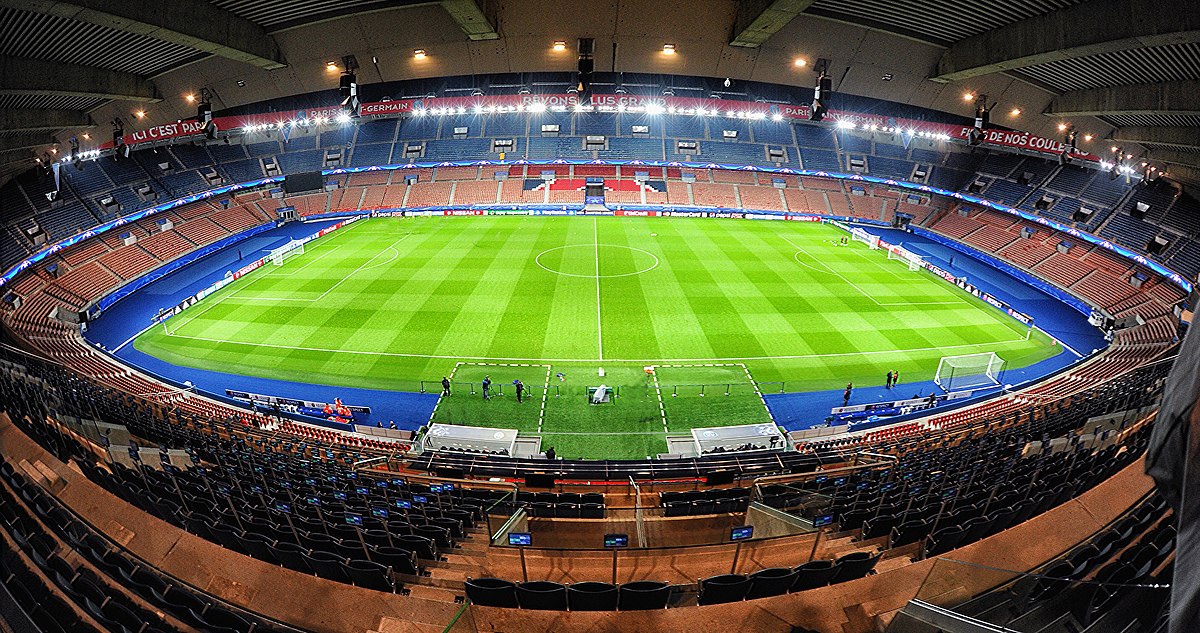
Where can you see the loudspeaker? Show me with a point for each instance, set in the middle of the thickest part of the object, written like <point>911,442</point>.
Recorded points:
<point>1139,210</point>
<point>1025,178</point>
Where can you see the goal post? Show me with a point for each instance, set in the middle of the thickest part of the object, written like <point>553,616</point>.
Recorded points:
<point>969,371</point>
<point>914,261</point>
<point>860,235</point>
<point>287,251</point>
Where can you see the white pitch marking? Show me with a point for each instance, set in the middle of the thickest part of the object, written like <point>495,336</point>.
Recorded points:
<point>599,328</point>
<point>645,361</point>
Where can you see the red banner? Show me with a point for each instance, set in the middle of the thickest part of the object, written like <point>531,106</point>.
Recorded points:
<point>603,103</point>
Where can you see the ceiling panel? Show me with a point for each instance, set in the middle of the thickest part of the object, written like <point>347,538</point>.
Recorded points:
<point>1145,65</point>
<point>1154,120</point>
<point>49,102</point>
<point>28,34</point>
<point>941,21</point>
<point>281,14</point>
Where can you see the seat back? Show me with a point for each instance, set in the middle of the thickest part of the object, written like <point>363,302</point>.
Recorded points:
<point>542,595</point>
<point>813,574</point>
<point>770,582</point>
<point>724,588</point>
<point>643,594</point>
<point>492,592</point>
<point>592,596</point>
<point>854,565</point>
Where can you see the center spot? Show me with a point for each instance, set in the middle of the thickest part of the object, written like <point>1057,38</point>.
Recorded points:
<point>579,260</point>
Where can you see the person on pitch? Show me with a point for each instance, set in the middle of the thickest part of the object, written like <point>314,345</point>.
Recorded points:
<point>890,377</point>
<point>487,385</point>
<point>445,386</point>
<point>846,394</point>
<point>520,389</point>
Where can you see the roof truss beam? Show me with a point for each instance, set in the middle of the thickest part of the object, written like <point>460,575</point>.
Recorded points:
<point>758,20</point>
<point>1169,97</point>
<point>24,142</point>
<point>1169,136</point>
<point>472,19</point>
<point>1174,158</point>
<point>196,24</point>
<point>34,120</point>
<point>20,75</point>
<point>1091,28</point>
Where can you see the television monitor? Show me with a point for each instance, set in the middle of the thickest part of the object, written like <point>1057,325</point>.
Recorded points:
<point>741,532</point>
<point>616,540</point>
<point>520,539</point>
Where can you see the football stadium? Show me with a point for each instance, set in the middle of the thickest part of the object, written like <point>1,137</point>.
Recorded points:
<point>485,315</point>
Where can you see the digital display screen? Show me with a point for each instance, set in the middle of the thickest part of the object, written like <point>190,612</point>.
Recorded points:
<point>354,519</point>
<point>823,520</point>
<point>339,495</point>
<point>741,532</point>
<point>313,501</point>
<point>283,507</point>
<point>363,490</point>
<point>616,540</point>
<point>403,504</point>
<point>520,538</point>
<point>435,488</point>
<point>420,498</point>
<point>379,512</point>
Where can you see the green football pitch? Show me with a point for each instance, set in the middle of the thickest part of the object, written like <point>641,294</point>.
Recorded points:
<point>723,310</point>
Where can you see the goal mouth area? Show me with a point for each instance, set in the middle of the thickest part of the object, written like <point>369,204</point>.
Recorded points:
<point>283,253</point>
<point>969,371</point>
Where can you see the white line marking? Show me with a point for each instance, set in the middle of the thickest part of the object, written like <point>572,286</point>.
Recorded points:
<point>830,270</point>
<point>644,361</point>
<point>545,393</point>
<point>343,279</point>
<point>658,433</point>
<point>130,339</point>
<point>599,329</point>
<point>754,383</point>
<point>193,315</point>
<point>538,260</point>
<point>662,409</point>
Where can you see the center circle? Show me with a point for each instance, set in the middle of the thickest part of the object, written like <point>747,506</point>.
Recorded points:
<point>592,260</point>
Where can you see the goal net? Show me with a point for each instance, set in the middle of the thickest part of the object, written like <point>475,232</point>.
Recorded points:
<point>287,251</point>
<point>860,235</point>
<point>913,260</point>
<point>969,371</point>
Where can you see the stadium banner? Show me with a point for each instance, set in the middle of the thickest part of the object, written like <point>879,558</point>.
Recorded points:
<point>499,104</point>
<point>234,275</point>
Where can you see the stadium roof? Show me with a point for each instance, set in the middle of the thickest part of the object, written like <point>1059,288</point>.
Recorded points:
<point>1121,69</point>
